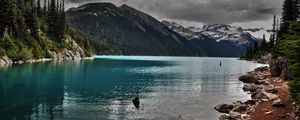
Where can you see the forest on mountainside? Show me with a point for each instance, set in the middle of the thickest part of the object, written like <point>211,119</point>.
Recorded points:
<point>34,29</point>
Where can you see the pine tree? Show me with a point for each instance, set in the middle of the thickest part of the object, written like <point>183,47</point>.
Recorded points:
<point>290,13</point>
<point>52,15</point>
<point>39,9</point>
<point>255,46</point>
<point>4,19</point>
<point>45,7</point>
<point>263,43</point>
<point>31,18</point>
<point>271,43</point>
<point>62,20</point>
<point>11,14</point>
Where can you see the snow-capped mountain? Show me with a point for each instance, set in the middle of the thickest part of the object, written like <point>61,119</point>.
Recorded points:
<point>221,32</point>
<point>219,39</point>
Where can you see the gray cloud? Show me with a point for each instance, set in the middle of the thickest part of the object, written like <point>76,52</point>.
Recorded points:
<point>202,11</point>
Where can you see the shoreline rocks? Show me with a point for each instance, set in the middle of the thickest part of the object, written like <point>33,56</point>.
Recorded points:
<point>257,82</point>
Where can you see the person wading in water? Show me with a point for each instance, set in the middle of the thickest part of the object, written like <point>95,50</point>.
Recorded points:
<point>136,100</point>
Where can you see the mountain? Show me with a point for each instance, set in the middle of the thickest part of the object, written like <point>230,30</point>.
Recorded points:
<point>217,40</point>
<point>132,31</point>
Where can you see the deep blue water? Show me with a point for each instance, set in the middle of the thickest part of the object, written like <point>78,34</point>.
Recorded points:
<point>102,89</point>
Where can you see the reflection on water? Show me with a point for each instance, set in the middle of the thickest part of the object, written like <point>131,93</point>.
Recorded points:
<point>103,88</point>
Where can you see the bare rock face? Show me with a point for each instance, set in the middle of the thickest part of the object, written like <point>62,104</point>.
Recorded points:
<point>279,67</point>
<point>265,59</point>
<point>5,60</point>
<point>224,108</point>
<point>76,53</point>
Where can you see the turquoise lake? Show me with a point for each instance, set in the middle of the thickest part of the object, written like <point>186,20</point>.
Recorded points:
<point>102,89</point>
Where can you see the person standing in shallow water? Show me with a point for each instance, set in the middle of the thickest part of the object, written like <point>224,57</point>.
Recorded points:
<point>136,100</point>
<point>220,63</point>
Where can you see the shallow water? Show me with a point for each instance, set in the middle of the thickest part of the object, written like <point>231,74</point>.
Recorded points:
<point>102,89</point>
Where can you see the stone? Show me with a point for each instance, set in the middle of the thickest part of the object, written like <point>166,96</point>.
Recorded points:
<point>279,67</point>
<point>251,87</point>
<point>270,89</point>
<point>267,113</point>
<point>278,103</point>
<point>235,115</point>
<point>240,108</point>
<point>248,79</point>
<point>262,69</point>
<point>224,108</point>
<point>224,117</point>
<point>259,94</point>
<point>260,82</point>
<point>250,102</point>
<point>245,117</point>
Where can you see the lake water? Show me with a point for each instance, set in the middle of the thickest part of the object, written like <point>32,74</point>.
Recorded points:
<point>102,89</point>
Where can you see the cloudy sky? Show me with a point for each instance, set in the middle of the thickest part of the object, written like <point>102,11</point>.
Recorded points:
<point>244,13</point>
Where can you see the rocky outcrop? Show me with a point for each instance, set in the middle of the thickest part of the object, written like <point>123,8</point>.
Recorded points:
<point>5,60</point>
<point>76,53</point>
<point>279,67</point>
<point>258,83</point>
<point>73,52</point>
<point>265,59</point>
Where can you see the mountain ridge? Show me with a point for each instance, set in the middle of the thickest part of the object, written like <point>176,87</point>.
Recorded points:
<point>134,32</point>
<point>224,40</point>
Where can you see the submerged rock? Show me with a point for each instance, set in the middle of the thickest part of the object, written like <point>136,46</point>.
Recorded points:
<point>224,108</point>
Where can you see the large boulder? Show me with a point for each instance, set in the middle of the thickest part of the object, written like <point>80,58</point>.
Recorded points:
<point>270,89</point>
<point>260,94</point>
<point>250,102</point>
<point>240,108</point>
<point>224,108</point>
<point>248,79</point>
<point>235,115</point>
<point>262,69</point>
<point>224,117</point>
<point>252,87</point>
<point>279,67</point>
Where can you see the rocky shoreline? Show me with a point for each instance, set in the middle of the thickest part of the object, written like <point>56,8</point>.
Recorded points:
<point>270,97</point>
